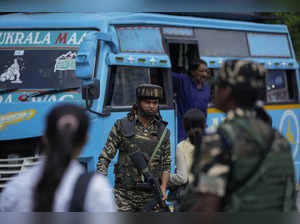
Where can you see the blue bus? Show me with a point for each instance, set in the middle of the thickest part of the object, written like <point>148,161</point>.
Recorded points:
<point>97,59</point>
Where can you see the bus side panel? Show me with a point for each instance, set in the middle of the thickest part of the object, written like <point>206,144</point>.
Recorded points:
<point>284,120</point>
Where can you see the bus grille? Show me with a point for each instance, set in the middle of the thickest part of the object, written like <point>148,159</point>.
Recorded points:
<point>16,156</point>
<point>10,167</point>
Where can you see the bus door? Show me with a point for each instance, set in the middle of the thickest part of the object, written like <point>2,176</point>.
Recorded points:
<point>141,59</point>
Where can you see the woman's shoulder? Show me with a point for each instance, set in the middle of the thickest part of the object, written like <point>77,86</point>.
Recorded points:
<point>100,179</point>
<point>99,195</point>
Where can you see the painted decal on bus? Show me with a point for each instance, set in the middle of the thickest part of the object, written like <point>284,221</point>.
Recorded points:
<point>12,74</point>
<point>11,98</point>
<point>289,127</point>
<point>41,38</point>
<point>15,117</point>
<point>65,62</point>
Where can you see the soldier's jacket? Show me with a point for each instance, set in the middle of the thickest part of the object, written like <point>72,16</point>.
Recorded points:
<point>247,164</point>
<point>127,141</point>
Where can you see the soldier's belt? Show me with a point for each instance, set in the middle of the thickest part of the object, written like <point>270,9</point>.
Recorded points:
<point>144,187</point>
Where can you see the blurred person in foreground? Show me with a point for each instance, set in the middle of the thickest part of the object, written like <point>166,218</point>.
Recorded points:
<point>245,165</point>
<point>49,186</point>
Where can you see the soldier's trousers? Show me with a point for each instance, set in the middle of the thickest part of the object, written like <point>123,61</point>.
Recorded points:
<point>131,200</point>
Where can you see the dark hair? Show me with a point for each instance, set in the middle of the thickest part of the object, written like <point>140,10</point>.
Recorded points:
<point>245,98</point>
<point>66,131</point>
<point>194,64</point>
<point>246,79</point>
<point>194,123</point>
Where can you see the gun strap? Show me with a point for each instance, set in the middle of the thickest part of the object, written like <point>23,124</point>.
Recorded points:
<point>156,148</point>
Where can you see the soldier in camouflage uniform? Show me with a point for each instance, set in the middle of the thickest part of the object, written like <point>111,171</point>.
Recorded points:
<point>141,129</point>
<point>243,165</point>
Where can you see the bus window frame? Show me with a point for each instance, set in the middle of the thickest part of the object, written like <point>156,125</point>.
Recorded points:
<point>295,88</point>
<point>196,31</point>
<point>181,36</point>
<point>167,81</point>
<point>179,41</point>
<point>211,103</point>
<point>123,26</point>
<point>270,56</point>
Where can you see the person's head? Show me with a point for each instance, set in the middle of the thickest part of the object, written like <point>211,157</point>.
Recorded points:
<point>148,96</point>
<point>240,83</point>
<point>66,123</point>
<point>198,70</point>
<point>194,123</point>
<point>65,135</point>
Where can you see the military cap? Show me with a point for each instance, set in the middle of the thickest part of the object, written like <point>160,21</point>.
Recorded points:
<point>242,74</point>
<point>149,91</point>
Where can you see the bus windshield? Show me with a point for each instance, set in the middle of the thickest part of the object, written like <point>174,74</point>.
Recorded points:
<point>38,69</point>
<point>124,80</point>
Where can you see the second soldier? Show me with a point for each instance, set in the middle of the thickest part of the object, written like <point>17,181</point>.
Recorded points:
<point>244,165</point>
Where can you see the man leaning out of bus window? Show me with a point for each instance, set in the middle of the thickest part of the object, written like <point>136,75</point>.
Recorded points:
<point>192,90</point>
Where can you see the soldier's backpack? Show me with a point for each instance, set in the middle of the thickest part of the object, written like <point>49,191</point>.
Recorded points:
<point>262,184</point>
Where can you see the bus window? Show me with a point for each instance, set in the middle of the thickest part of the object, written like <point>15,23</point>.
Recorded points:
<point>38,69</point>
<point>262,45</point>
<point>181,54</point>
<point>143,39</point>
<point>124,80</point>
<point>280,85</point>
<point>222,43</point>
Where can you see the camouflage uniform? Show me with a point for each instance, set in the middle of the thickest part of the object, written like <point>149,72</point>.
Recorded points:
<point>128,135</point>
<point>244,161</point>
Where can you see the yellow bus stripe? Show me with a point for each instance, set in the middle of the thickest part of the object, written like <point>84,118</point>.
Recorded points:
<point>281,107</point>
<point>267,107</point>
<point>213,111</point>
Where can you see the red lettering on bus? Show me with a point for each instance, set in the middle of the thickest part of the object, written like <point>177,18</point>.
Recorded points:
<point>23,98</point>
<point>60,38</point>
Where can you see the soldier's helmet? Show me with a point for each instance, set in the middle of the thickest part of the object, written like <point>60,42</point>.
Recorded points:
<point>149,91</point>
<point>242,75</point>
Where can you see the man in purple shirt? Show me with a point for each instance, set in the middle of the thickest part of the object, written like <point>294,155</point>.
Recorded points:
<point>192,91</point>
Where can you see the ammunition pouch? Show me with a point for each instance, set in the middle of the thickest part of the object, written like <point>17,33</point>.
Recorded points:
<point>144,187</point>
<point>127,127</point>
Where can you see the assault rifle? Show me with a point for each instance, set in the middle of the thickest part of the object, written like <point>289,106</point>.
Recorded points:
<point>151,183</point>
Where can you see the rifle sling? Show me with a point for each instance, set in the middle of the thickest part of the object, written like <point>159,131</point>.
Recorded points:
<point>156,149</point>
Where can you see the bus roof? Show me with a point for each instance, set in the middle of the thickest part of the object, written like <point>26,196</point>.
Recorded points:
<point>102,20</point>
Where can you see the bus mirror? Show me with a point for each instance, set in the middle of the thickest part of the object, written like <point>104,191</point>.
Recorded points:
<point>86,56</point>
<point>91,89</point>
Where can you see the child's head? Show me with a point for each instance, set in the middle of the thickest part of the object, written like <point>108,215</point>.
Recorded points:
<point>194,123</point>
<point>194,118</point>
